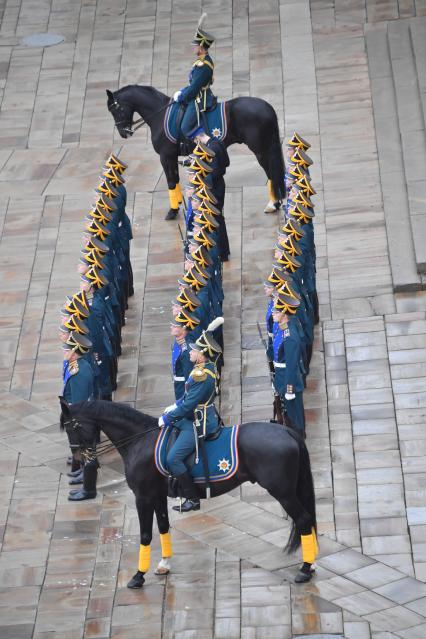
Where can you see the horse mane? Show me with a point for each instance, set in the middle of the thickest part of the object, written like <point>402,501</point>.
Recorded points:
<point>99,409</point>
<point>144,88</point>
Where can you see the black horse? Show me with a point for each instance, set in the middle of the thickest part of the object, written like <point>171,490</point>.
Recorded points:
<point>274,456</point>
<point>251,121</point>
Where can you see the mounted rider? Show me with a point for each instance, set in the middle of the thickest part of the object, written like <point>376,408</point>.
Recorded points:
<point>197,95</point>
<point>195,414</point>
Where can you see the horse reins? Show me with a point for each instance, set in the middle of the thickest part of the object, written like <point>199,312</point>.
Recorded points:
<point>117,106</point>
<point>106,447</point>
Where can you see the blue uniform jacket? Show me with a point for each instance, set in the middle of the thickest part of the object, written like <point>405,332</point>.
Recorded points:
<point>287,350</point>
<point>181,366</point>
<point>269,321</point>
<point>200,79</point>
<point>200,391</point>
<point>78,381</point>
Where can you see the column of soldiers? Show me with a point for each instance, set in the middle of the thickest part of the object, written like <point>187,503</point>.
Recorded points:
<point>291,289</point>
<point>92,318</point>
<point>200,294</point>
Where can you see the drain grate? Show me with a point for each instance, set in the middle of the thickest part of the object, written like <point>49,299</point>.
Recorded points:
<point>43,40</point>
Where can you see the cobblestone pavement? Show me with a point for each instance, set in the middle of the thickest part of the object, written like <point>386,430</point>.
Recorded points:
<point>64,567</point>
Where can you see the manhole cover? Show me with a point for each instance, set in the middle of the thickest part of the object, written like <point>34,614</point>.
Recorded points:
<point>43,39</point>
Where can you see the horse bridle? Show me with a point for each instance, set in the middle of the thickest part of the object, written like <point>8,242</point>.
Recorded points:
<point>130,129</point>
<point>105,447</point>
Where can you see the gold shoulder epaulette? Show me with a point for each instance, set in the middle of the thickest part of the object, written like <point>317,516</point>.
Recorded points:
<point>199,374</point>
<point>209,64</point>
<point>73,367</point>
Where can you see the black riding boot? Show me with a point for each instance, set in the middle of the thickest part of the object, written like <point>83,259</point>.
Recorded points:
<point>88,491</point>
<point>187,489</point>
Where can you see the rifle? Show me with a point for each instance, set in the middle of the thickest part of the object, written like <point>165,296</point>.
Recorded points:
<point>183,240</point>
<point>277,404</point>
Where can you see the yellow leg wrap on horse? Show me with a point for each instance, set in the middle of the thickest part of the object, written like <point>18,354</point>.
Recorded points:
<point>174,198</point>
<point>179,193</point>
<point>144,558</point>
<point>308,548</point>
<point>316,542</point>
<point>166,545</point>
<point>271,192</point>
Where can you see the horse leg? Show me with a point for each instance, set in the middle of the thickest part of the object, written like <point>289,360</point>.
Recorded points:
<point>273,202</point>
<point>303,527</point>
<point>145,510</point>
<point>162,516</point>
<point>170,166</point>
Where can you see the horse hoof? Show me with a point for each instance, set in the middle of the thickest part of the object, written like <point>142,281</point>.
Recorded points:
<point>172,214</point>
<point>303,577</point>
<point>137,581</point>
<point>270,207</point>
<point>163,567</point>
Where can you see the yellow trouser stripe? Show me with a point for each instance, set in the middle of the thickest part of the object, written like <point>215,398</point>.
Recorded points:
<point>308,548</point>
<point>166,545</point>
<point>174,198</point>
<point>144,558</point>
<point>271,191</point>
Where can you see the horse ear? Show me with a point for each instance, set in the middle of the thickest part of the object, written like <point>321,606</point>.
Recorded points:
<point>110,95</point>
<point>64,405</point>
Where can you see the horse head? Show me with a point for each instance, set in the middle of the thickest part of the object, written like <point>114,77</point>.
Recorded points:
<point>81,434</point>
<point>122,114</point>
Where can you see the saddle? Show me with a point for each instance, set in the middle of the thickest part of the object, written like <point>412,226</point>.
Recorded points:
<point>221,450</point>
<point>214,121</point>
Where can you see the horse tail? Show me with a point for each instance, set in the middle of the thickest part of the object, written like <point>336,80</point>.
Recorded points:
<point>304,491</point>
<point>276,163</point>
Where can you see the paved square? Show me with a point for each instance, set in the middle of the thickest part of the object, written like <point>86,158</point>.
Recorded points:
<point>350,76</point>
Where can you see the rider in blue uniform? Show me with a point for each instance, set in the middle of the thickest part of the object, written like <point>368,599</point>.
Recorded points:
<point>193,415</point>
<point>197,95</point>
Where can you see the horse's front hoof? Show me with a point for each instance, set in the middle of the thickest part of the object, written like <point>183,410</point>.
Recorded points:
<point>137,581</point>
<point>163,567</point>
<point>172,214</point>
<point>271,207</point>
<point>304,575</point>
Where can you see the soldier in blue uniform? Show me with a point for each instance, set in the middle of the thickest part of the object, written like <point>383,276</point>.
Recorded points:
<point>194,414</point>
<point>78,374</point>
<point>74,314</point>
<point>213,151</point>
<point>97,322</point>
<point>79,387</point>
<point>287,360</point>
<point>182,329</point>
<point>197,95</point>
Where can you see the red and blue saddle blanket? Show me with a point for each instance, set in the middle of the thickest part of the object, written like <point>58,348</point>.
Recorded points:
<point>216,121</point>
<point>222,455</point>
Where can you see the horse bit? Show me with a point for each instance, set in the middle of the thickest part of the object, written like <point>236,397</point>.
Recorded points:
<point>116,106</point>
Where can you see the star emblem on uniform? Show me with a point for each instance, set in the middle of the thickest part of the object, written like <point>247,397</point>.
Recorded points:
<point>224,465</point>
<point>216,132</point>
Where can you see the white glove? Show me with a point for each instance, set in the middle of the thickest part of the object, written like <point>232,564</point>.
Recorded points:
<point>161,422</point>
<point>290,396</point>
<point>168,409</point>
<point>176,96</point>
